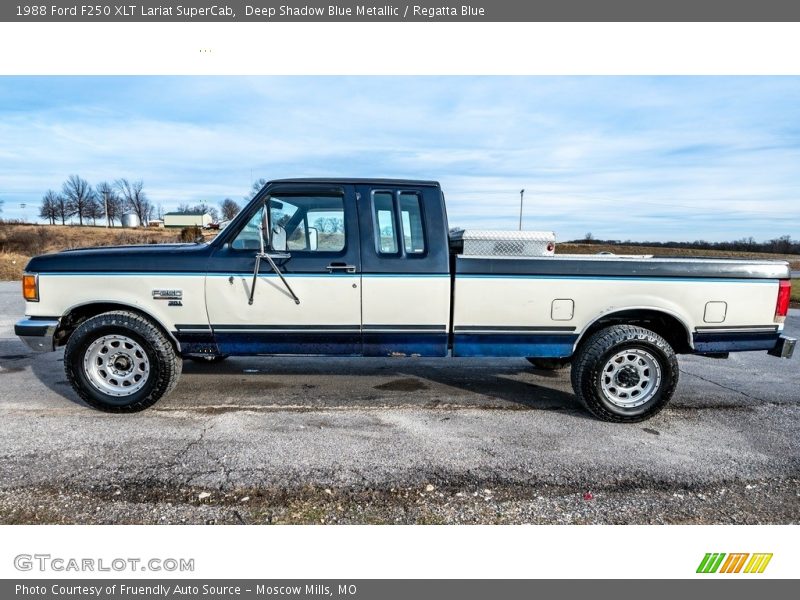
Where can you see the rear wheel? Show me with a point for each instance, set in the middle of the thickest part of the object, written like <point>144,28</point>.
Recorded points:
<point>121,362</point>
<point>625,373</point>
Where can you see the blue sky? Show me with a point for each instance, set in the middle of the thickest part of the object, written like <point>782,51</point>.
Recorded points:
<point>622,157</point>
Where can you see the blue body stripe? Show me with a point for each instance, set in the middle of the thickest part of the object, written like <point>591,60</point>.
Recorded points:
<point>432,344</point>
<point>410,344</point>
<point>620,278</point>
<point>734,342</point>
<point>240,274</point>
<point>412,275</point>
<point>534,345</point>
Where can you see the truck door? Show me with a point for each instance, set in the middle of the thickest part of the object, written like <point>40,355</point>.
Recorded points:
<point>316,248</point>
<point>405,270</point>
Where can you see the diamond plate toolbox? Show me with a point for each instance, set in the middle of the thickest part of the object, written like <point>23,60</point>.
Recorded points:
<point>481,242</point>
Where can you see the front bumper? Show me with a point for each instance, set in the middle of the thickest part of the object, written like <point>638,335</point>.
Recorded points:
<point>784,347</point>
<point>37,333</point>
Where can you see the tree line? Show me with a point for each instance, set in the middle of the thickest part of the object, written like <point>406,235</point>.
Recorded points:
<point>780,245</point>
<point>79,199</point>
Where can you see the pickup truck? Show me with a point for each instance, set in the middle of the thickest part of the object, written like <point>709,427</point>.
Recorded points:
<point>368,267</point>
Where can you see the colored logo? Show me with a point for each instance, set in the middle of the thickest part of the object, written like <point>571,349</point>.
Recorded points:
<point>741,562</point>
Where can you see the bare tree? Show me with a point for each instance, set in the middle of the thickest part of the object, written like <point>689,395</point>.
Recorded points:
<point>95,210</point>
<point>229,209</point>
<point>109,202</point>
<point>63,211</point>
<point>329,224</point>
<point>134,198</point>
<point>49,208</point>
<point>255,188</point>
<point>201,208</point>
<point>79,195</point>
<point>206,208</point>
<point>116,209</point>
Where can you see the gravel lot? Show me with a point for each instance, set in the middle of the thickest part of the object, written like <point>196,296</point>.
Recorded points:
<point>294,440</point>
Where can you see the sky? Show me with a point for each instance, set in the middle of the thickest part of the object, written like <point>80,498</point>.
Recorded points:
<point>639,158</point>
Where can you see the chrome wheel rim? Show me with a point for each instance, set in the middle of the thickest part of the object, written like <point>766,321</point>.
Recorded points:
<point>116,365</point>
<point>630,378</point>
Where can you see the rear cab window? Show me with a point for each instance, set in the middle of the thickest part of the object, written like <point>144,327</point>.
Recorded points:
<point>398,223</point>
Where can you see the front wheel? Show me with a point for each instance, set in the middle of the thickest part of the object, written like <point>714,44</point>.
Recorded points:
<point>121,362</point>
<point>625,373</point>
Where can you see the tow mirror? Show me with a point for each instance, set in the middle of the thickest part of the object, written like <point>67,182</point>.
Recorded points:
<point>313,238</point>
<point>278,238</point>
<point>273,236</point>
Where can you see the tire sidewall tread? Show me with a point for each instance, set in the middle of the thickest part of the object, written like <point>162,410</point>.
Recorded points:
<point>166,364</point>
<point>592,356</point>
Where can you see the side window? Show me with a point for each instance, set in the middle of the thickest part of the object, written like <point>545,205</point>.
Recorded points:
<point>328,227</point>
<point>306,223</point>
<point>248,237</point>
<point>411,218</point>
<point>311,223</point>
<point>385,226</point>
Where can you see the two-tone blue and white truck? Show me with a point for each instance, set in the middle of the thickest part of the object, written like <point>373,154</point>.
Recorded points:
<point>368,267</point>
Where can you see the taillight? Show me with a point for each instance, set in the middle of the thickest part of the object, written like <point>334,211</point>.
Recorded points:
<point>30,288</point>
<point>784,293</point>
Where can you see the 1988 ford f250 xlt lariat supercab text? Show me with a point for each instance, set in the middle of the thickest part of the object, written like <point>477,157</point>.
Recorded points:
<point>357,267</point>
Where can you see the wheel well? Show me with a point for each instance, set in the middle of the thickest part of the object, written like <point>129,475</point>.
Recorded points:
<point>78,314</point>
<point>664,324</point>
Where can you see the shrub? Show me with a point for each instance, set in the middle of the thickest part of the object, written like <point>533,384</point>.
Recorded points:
<point>191,234</point>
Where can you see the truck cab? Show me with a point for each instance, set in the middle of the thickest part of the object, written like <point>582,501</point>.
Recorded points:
<point>365,268</point>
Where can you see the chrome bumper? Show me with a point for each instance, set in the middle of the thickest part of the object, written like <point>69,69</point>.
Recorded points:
<point>37,333</point>
<point>784,347</point>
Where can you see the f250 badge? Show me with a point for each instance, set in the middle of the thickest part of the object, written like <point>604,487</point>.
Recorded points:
<point>174,296</point>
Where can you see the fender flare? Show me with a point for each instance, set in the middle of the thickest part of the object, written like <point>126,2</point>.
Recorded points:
<point>123,306</point>
<point>650,309</point>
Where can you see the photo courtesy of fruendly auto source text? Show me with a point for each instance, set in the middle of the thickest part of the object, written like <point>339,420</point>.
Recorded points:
<point>399,300</point>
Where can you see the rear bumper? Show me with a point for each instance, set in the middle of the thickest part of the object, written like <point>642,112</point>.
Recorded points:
<point>37,333</point>
<point>784,347</point>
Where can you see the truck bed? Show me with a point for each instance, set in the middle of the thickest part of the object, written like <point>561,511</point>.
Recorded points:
<point>542,306</point>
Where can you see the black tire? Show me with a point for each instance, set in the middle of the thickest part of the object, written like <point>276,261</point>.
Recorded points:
<point>209,359</point>
<point>163,361</point>
<point>548,364</point>
<point>594,356</point>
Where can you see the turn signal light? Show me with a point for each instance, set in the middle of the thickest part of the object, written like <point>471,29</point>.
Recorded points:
<point>784,293</point>
<point>30,288</point>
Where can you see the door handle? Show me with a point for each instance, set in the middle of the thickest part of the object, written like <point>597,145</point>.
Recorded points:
<point>340,266</point>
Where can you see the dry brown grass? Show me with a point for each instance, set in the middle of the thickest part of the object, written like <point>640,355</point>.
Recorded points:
<point>794,259</point>
<point>18,243</point>
<point>11,265</point>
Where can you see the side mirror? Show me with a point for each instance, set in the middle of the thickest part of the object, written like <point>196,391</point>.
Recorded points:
<point>278,238</point>
<point>313,238</point>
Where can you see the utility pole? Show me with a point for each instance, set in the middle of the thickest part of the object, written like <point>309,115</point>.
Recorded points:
<point>521,195</point>
<point>105,205</point>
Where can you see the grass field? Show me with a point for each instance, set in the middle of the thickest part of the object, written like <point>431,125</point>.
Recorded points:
<point>20,242</point>
<point>794,259</point>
